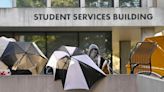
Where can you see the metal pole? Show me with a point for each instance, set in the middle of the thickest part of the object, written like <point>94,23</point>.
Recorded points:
<point>48,3</point>
<point>14,3</point>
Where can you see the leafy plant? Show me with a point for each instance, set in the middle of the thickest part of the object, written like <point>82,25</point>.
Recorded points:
<point>31,3</point>
<point>65,3</point>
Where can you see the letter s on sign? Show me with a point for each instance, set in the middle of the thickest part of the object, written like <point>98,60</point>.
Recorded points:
<point>36,17</point>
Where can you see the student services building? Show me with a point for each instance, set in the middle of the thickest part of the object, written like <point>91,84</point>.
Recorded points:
<point>114,25</point>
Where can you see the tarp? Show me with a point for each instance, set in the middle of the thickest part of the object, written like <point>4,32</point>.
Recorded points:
<point>158,55</point>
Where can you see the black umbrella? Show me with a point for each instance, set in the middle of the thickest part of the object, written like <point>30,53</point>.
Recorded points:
<point>24,56</point>
<point>74,68</point>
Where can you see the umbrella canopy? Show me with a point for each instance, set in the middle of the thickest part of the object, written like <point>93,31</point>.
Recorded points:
<point>74,68</point>
<point>3,43</point>
<point>3,66</point>
<point>24,56</point>
<point>4,71</point>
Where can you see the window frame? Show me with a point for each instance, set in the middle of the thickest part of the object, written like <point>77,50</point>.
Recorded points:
<point>45,5</point>
<point>140,5</point>
<point>11,5</point>
<point>100,7</point>
<point>78,6</point>
<point>14,34</point>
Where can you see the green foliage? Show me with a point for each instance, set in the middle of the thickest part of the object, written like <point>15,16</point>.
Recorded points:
<point>96,3</point>
<point>129,3</point>
<point>31,3</point>
<point>39,40</point>
<point>65,3</point>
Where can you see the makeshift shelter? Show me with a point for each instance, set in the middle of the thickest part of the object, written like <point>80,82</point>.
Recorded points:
<point>4,71</point>
<point>154,57</point>
<point>141,56</point>
<point>24,56</point>
<point>3,66</point>
<point>3,43</point>
<point>158,55</point>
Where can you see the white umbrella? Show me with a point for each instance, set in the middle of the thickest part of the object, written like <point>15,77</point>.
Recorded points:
<point>4,71</point>
<point>24,56</point>
<point>3,43</point>
<point>3,66</point>
<point>74,68</point>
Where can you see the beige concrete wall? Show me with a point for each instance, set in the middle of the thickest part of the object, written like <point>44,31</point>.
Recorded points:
<point>125,47</point>
<point>159,29</point>
<point>120,83</point>
<point>112,83</point>
<point>132,34</point>
<point>152,3</point>
<point>149,84</point>
<point>147,32</point>
<point>160,3</point>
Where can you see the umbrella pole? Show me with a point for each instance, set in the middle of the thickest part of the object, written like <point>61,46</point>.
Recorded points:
<point>18,61</point>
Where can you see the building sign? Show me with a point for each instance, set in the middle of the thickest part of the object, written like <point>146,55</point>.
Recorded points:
<point>101,16</point>
<point>51,17</point>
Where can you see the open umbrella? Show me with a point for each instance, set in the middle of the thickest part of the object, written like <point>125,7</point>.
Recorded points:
<point>24,56</point>
<point>74,68</point>
<point>3,43</point>
<point>3,66</point>
<point>4,71</point>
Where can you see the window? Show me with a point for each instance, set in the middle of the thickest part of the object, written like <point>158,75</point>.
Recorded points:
<point>31,3</point>
<point>99,3</point>
<point>65,3</point>
<point>5,3</point>
<point>48,42</point>
<point>57,39</point>
<point>102,39</point>
<point>130,3</point>
<point>6,34</point>
<point>38,38</point>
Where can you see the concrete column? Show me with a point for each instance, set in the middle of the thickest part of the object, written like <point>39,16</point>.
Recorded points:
<point>116,3</point>
<point>152,3</point>
<point>147,32</point>
<point>115,49</point>
<point>144,3</point>
<point>155,3</point>
<point>125,47</point>
<point>21,38</point>
<point>82,3</point>
<point>160,3</point>
<point>14,3</point>
<point>49,3</point>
